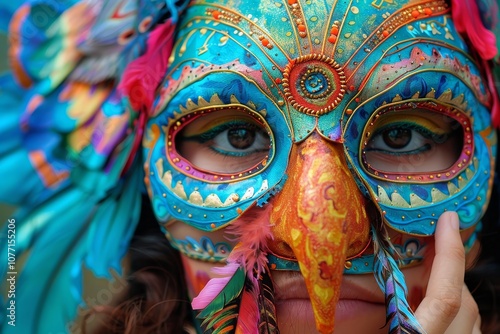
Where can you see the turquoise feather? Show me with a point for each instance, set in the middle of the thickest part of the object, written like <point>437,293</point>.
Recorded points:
<point>69,165</point>
<point>72,229</point>
<point>235,308</point>
<point>7,9</point>
<point>390,279</point>
<point>223,321</point>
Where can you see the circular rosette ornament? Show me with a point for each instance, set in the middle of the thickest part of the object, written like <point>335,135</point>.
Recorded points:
<point>314,84</point>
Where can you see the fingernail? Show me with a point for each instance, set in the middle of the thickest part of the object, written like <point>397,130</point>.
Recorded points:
<point>453,219</point>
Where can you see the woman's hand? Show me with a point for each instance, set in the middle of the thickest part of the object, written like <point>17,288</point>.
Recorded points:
<point>448,306</point>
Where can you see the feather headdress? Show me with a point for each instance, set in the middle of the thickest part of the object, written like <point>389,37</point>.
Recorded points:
<point>70,128</point>
<point>69,136</point>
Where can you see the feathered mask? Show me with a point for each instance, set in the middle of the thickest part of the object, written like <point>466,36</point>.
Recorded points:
<point>92,81</point>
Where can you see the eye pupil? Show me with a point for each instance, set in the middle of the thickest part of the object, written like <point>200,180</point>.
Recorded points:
<point>241,138</point>
<point>397,138</point>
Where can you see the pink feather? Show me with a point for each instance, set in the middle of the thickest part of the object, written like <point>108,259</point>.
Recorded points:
<point>250,252</point>
<point>495,108</point>
<point>144,74</point>
<point>468,22</point>
<point>214,286</point>
<point>248,317</point>
<point>252,231</point>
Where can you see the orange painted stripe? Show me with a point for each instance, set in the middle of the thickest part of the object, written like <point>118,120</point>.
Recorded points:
<point>15,46</point>
<point>45,171</point>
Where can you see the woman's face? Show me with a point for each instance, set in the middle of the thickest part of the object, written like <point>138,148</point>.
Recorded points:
<point>326,122</point>
<point>361,306</point>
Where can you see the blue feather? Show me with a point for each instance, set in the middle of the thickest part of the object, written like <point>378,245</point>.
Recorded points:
<point>64,159</point>
<point>391,281</point>
<point>72,229</point>
<point>7,9</point>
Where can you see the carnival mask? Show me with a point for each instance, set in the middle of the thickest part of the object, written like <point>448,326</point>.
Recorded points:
<point>323,112</point>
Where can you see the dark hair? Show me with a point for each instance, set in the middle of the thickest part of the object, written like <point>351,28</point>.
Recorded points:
<point>155,300</point>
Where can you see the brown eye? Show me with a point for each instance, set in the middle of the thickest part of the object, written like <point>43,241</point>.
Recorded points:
<point>225,140</point>
<point>241,138</point>
<point>413,141</point>
<point>397,138</point>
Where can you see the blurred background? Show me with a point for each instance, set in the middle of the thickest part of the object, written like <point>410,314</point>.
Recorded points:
<point>94,289</point>
<point>3,47</point>
<point>5,211</point>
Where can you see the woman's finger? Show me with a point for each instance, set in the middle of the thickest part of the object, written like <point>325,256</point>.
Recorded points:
<point>477,326</point>
<point>467,320</point>
<point>443,297</point>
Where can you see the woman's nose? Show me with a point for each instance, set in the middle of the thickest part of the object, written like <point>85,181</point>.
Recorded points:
<point>320,219</point>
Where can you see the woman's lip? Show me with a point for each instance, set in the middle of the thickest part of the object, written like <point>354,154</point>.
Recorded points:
<point>351,308</point>
<point>361,305</point>
<point>298,313</point>
<point>344,308</point>
<point>291,286</point>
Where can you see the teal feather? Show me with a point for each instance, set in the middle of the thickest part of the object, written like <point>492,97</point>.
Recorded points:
<point>43,46</point>
<point>15,162</point>
<point>72,229</point>
<point>230,292</point>
<point>106,53</point>
<point>7,9</point>
<point>239,311</point>
<point>399,315</point>
<point>116,216</point>
<point>69,165</point>
<point>11,96</point>
<point>223,321</point>
<point>54,253</point>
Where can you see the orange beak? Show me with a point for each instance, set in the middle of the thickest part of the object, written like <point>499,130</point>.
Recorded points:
<point>320,216</point>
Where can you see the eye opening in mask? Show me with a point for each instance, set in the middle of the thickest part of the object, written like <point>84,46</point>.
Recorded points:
<point>417,141</point>
<point>220,144</point>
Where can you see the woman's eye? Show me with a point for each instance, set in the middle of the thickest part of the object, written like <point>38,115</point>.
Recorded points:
<point>397,138</point>
<point>241,138</point>
<point>413,142</point>
<point>403,139</point>
<point>235,138</point>
<point>224,142</point>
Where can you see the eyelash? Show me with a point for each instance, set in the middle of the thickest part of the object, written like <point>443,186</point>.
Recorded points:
<point>218,130</point>
<point>424,132</point>
<point>212,133</point>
